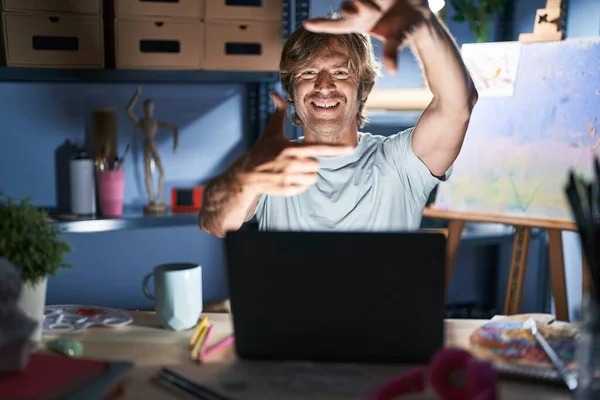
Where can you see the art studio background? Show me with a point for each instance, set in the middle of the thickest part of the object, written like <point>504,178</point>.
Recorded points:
<point>213,130</point>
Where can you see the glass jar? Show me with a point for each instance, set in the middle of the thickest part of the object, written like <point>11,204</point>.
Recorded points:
<point>588,351</point>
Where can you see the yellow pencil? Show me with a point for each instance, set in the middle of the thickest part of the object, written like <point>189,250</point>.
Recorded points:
<point>199,328</point>
<point>198,345</point>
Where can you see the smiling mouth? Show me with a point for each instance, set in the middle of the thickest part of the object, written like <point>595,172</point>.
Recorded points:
<point>325,105</point>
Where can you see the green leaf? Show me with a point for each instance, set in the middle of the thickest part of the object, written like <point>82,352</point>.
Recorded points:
<point>478,14</point>
<point>29,240</point>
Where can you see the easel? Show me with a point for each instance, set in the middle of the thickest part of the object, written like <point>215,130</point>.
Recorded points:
<point>548,25</point>
<point>520,251</point>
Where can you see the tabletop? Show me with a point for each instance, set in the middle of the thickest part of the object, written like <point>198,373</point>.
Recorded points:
<point>150,347</point>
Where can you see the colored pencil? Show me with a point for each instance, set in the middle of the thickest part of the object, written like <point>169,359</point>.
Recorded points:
<point>218,347</point>
<point>199,327</point>
<point>204,343</point>
<point>196,350</point>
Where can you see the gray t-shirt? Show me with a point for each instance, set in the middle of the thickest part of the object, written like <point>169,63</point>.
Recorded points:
<point>381,186</point>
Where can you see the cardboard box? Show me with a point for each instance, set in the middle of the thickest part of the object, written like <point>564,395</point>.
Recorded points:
<point>93,7</point>
<point>48,40</point>
<point>265,10</point>
<point>158,44</point>
<point>192,9</point>
<point>242,45</point>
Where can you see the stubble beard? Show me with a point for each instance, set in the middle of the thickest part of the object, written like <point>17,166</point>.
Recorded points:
<point>328,129</point>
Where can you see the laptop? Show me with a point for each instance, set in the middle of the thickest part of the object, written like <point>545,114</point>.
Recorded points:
<point>337,296</point>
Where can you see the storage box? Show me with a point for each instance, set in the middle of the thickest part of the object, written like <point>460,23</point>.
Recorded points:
<point>192,9</point>
<point>243,46</point>
<point>93,7</point>
<point>244,9</point>
<point>158,44</point>
<point>46,40</point>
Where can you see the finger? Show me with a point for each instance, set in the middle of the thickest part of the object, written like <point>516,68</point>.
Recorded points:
<point>368,12</point>
<point>277,122</point>
<point>265,180</point>
<point>349,7</point>
<point>280,103</point>
<point>390,55</point>
<point>324,25</point>
<point>287,191</point>
<point>364,7</point>
<point>316,150</point>
<point>291,164</point>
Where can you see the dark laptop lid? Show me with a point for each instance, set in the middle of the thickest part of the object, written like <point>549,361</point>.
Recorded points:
<point>338,297</point>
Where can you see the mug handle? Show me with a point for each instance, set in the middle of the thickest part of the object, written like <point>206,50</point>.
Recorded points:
<point>145,286</point>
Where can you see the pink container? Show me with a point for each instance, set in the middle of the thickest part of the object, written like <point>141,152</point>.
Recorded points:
<point>111,190</point>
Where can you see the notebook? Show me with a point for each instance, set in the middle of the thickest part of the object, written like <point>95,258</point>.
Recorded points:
<point>514,352</point>
<point>49,376</point>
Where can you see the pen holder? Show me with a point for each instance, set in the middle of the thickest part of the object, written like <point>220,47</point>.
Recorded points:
<point>588,351</point>
<point>111,185</point>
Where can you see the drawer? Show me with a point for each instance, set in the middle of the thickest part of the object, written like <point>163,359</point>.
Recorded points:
<point>53,40</point>
<point>93,7</point>
<point>242,45</point>
<point>160,8</point>
<point>158,44</point>
<point>271,10</point>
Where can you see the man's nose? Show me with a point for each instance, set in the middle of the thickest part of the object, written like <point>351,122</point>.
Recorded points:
<point>324,82</point>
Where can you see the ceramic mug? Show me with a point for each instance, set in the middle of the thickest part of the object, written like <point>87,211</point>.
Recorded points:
<point>177,294</point>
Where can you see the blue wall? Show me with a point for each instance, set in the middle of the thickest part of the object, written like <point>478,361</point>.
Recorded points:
<point>109,266</point>
<point>38,118</point>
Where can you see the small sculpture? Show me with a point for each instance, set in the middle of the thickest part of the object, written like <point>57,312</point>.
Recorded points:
<point>15,327</point>
<point>149,126</point>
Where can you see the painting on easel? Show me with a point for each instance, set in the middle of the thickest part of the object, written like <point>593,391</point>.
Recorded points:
<point>538,115</point>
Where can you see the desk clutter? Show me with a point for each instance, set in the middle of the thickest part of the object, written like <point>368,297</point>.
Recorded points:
<point>199,342</point>
<point>513,349</point>
<point>50,376</point>
<point>137,34</point>
<point>77,318</point>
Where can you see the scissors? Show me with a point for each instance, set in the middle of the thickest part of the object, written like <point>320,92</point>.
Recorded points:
<point>479,380</point>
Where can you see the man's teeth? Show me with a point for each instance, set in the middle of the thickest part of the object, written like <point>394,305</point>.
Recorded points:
<point>326,105</point>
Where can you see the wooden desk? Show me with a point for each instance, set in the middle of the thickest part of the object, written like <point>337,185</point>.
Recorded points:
<point>150,347</point>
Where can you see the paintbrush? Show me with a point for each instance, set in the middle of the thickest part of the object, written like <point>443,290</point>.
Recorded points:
<point>567,376</point>
<point>581,210</point>
<point>120,162</point>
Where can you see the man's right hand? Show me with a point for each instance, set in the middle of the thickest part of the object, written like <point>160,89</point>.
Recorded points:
<point>276,166</point>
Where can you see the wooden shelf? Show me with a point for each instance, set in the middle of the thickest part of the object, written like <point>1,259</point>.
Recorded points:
<point>18,74</point>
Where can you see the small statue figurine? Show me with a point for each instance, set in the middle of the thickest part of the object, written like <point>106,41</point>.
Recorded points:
<point>15,327</point>
<point>149,126</point>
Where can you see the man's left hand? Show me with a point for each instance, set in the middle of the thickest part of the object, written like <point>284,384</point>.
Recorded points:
<point>391,21</point>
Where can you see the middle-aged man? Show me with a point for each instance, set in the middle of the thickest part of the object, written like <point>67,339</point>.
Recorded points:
<point>335,177</point>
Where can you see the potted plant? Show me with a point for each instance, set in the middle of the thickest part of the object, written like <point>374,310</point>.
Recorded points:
<point>31,242</point>
<point>479,14</point>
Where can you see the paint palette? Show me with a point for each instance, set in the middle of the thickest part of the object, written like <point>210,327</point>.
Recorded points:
<point>77,318</point>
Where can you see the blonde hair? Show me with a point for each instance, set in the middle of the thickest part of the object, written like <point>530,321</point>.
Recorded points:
<point>302,48</point>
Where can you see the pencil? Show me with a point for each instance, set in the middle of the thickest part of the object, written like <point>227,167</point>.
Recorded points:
<point>193,388</point>
<point>218,347</point>
<point>199,327</point>
<point>199,342</point>
<point>204,343</point>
